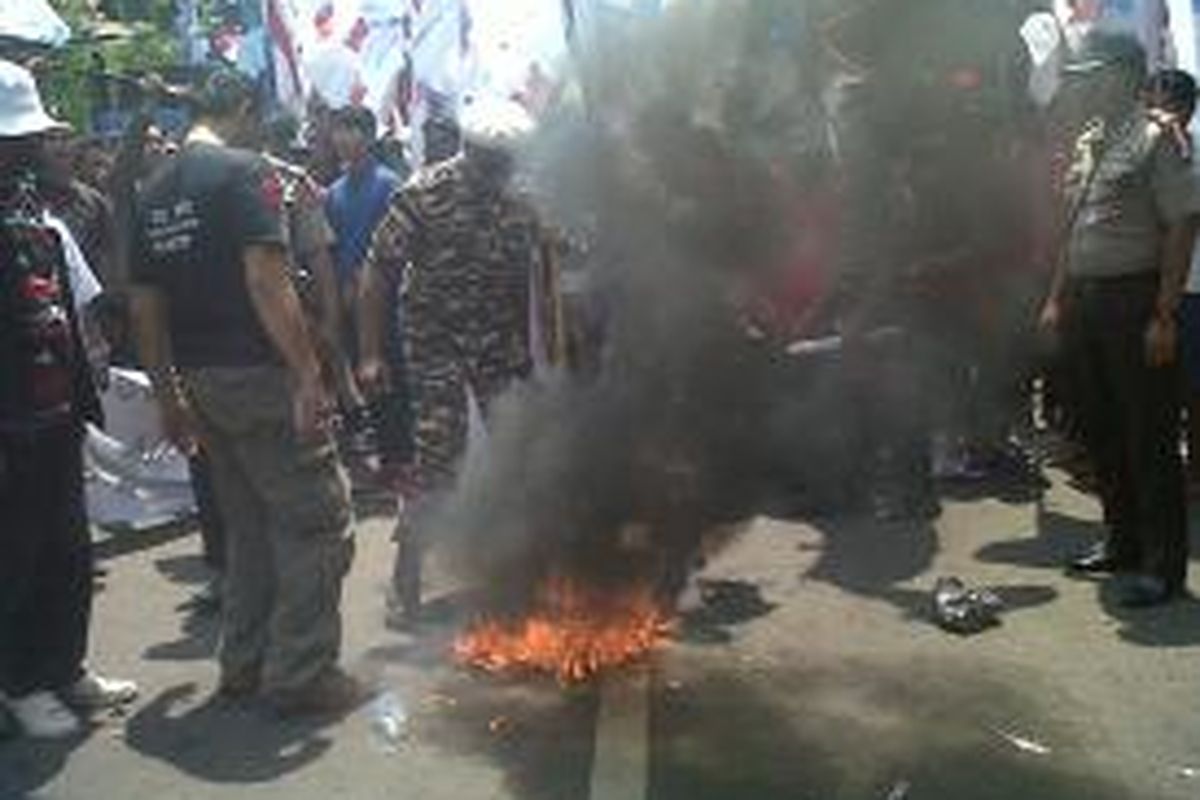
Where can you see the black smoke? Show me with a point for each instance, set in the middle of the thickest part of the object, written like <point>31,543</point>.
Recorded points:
<point>676,162</point>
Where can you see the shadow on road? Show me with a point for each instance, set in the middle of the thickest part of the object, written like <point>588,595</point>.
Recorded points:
<point>724,605</point>
<point>219,743</point>
<point>865,557</point>
<point>539,734</point>
<point>120,543</point>
<point>27,765</point>
<point>860,731</point>
<point>870,559</point>
<point>1174,625</point>
<point>199,635</point>
<point>1055,539</point>
<point>184,569</point>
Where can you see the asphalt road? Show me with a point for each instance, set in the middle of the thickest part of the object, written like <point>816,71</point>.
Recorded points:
<point>811,672</point>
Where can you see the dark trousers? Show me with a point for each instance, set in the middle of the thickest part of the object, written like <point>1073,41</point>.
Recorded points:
<point>45,561</point>
<point>890,379</point>
<point>1130,414</point>
<point>212,527</point>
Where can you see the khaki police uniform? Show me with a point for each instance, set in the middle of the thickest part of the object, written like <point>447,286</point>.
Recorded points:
<point>1128,182</point>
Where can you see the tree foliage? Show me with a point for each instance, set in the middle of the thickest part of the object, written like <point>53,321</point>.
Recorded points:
<point>135,47</point>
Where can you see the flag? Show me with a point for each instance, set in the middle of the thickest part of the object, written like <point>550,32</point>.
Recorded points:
<point>285,56</point>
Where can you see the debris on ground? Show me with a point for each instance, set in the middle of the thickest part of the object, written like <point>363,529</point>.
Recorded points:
<point>962,610</point>
<point>390,722</point>
<point>1024,743</point>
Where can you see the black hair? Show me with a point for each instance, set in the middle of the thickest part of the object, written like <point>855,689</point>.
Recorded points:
<point>226,93</point>
<point>283,133</point>
<point>1177,90</point>
<point>358,118</point>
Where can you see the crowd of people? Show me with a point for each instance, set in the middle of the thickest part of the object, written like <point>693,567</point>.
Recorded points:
<point>266,310</point>
<point>295,323</point>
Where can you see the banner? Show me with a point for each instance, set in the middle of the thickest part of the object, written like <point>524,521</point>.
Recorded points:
<point>408,59</point>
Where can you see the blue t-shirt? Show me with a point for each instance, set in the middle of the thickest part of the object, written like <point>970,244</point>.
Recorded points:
<point>355,206</point>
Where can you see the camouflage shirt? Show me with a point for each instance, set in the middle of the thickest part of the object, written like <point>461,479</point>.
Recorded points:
<point>1124,188</point>
<point>448,232</point>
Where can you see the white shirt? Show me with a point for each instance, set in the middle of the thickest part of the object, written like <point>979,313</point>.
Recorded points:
<point>84,285</point>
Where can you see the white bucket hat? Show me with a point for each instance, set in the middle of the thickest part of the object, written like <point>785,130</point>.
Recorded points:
<point>21,110</point>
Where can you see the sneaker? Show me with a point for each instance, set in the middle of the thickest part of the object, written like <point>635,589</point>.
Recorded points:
<point>94,692</point>
<point>43,716</point>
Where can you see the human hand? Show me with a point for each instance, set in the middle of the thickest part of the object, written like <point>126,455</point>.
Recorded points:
<point>1051,317</point>
<point>312,409</point>
<point>1162,341</point>
<point>179,424</point>
<point>373,376</point>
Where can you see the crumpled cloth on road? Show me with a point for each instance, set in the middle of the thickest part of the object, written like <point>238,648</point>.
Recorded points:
<point>963,610</point>
<point>135,479</point>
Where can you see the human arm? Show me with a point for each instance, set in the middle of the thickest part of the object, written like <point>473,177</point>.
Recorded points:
<point>1178,205</point>
<point>379,278</point>
<point>1162,335</point>
<point>278,309</point>
<point>148,306</point>
<point>255,199</point>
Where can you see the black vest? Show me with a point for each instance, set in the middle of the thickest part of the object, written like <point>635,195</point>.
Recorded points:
<point>44,376</point>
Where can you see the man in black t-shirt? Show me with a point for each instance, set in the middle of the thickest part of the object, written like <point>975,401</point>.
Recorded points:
<point>223,336</point>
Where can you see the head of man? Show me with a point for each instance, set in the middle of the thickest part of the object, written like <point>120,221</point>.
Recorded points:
<point>24,123</point>
<point>353,133</point>
<point>282,134</point>
<point>1110,71</point>
<point>493,132</point>
<point>1172,91</point>
<point>60,153</point>
<point>230,106</point>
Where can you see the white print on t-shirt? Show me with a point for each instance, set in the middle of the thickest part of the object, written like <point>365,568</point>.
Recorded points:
<point>173,230</point>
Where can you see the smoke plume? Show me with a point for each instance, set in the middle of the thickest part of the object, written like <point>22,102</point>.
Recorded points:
<point>677,162</point>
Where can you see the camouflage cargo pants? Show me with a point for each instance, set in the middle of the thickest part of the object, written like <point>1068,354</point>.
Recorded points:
<point>460,336</point>
<point>287,513</point>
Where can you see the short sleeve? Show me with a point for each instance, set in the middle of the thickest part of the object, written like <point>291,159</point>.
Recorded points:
<point>84,286</point>
<point>255,205</point>
<point>1175,183</point>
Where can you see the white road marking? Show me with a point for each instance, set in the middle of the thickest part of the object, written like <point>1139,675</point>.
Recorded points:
<point>621,765</point>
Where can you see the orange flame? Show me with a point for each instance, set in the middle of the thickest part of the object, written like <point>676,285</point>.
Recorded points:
<point>573,632</point>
